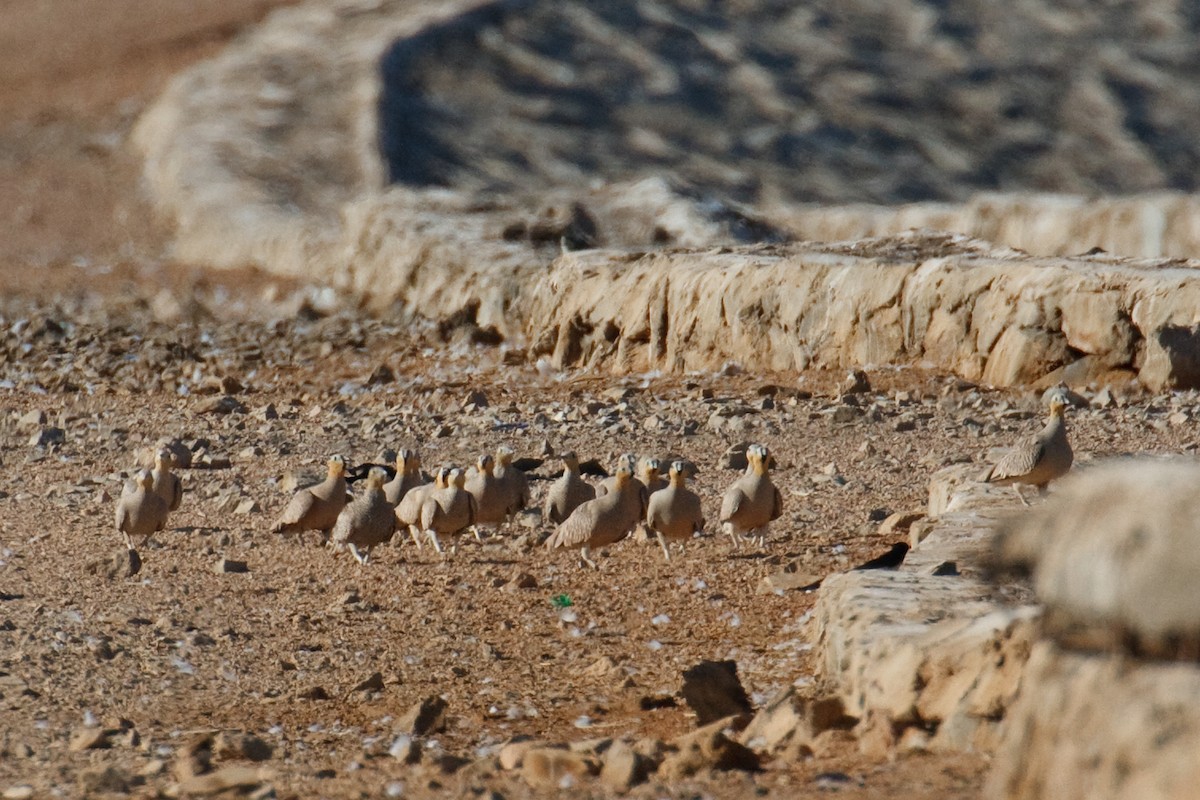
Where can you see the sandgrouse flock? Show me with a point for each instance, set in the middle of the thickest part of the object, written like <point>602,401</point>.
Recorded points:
<point>588,517</point>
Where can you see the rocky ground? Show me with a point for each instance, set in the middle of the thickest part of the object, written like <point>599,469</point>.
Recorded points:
<point>107,680</point>
<point>304,668</point>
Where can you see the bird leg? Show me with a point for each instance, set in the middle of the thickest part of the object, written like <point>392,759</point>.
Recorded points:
<point>663,544</point>
<point>1021,497</point>
<point>415,533</point>
<point>733,535</point>
<point>361,558</point>
<point>433,537</point>
<point>478,536</point>
<point>584,557</point>
<point>128,540</point>
<point>760,536</point>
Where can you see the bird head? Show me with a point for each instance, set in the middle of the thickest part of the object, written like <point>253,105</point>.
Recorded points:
<point>443,477</point>
<point>486,464</point>
<point>570,460</point>
<point>651,467</point>
<point>504,455</point>
<point>758,456</point>
<point>376,478</point>
<point>1058,404</point>
<point>623,473</point>
<point>164,458</point>
<point>145,479</point>
<point>678,472</point>
<point>337,467</point>
<point>458,478</point>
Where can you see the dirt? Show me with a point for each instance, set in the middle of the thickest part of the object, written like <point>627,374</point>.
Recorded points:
<point>119,347</point>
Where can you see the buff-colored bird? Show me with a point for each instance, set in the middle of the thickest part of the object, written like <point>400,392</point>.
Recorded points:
<point>1039,459</point>
<point>448,511</point>
<point>141,512</point>
<point>753,501</point>
<point>514,480</point>
<point>367,521</point>
<point>316,508</point>
<point>636,495</point>
<point>675,513</point>
<point>569,492</point>
<point>493,496</point>
<point>167,484</point>
<point>408,510</point>
<point>408,476</point>
<point>600,522</point>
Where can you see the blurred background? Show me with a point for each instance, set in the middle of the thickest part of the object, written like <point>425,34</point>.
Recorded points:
<point>760,102</point>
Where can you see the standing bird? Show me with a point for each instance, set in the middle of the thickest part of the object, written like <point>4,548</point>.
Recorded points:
<point>568,492</point>
<point>675,513</point>
<point>600,522</point>
<point>753,501</point>
<point>1039,459</point>
<point>493,496</point>
<point>448,511</point>
<point>408,510</point>
<point>316,507</point>
<point>517,485</point>
<point>367,521</point>
<point>141,512</point>
<point>408,476</point>
<point>636,495</point>
<point>166,483</point>
<point>650,474</point>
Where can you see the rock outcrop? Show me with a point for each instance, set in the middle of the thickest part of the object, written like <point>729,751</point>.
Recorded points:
<point>987,313</point>
<point>1110,700</point>
<point>938,652</point>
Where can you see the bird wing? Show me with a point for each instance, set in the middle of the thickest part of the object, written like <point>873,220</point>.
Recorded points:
<point>576,530</point>
<point>732,503</point>
<point>122,516</point>
<point>176,492</point>
<point>1019,461</point>
<point>777,508</point>
<point>301,506</point>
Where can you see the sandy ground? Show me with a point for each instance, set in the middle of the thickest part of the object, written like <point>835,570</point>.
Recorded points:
<point>118,347</point>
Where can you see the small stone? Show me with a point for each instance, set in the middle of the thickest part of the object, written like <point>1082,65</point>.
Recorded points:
<point>856,382</point>
<point>623,768</point>
<point>374,683</point>
<point>713,691</point>
<point>523,580</point>
<point>707,748</point>
<point>475,398</point>
<point>22,791</point>
<point>31,419</point>
<point>381,375</point>
<point>845,413</point>
<point>225,404</point>
<point>735,456</point>
<point>266,413</point>
<point>104,780</point>
<point>45,437</point>
<point>247,506</point>
<point>239,745</point>
<point>900,521</point>
<point>425,717</point>
<point>88,739</point>
<point>230,566</point>
<point>234,777</point>
<point>124,563</point>
<point>555,769</point>
<point>405,749</point>
<point>512,754</point>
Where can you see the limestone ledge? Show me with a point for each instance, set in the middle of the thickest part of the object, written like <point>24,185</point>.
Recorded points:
<point>914,649</point>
